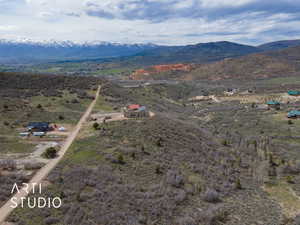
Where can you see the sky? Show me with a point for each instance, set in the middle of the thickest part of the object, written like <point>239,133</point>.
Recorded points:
<point>164,22</point>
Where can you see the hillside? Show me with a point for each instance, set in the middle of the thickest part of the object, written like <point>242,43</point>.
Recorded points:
<point>249,67</point>
<point>280,63</point>
<point>291,54</point>
<point>260,65</point>
<point>277,45</point>
<point>46,54</point>
<point>199,53</point>
<point>159,71</point>
<point>208,163</point>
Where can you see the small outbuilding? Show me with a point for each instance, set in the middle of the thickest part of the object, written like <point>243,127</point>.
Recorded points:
<point>273,105</point>
<point>294,114</point>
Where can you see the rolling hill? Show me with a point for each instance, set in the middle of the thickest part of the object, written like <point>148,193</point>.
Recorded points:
<point>199,53</point>
<point>128,56</point>
<point>259,65</point>
<point>277,45</point>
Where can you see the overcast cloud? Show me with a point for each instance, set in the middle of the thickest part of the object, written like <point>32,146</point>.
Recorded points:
<point>170,22</point>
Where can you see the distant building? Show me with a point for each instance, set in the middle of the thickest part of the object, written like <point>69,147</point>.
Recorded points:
<point>38,127</point>
<point>294,114</point>
<point>231,91</point>
<point>294,93</point>
<point>135,111</point>
<point>133,107</point>
<point>273,105</point>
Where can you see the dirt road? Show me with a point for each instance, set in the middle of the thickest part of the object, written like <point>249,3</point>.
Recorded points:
<point>6,209</point>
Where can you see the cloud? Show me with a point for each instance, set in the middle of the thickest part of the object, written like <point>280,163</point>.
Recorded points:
<point>172,22</point>
<point>155,10</point>
<point>8,6</point>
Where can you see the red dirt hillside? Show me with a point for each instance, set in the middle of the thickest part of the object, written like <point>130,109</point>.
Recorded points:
<point>149,73</point>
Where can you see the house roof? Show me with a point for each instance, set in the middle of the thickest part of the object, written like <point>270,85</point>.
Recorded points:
<point>142,108</point>
<point>133,107</point>
<point>38,124</point>
<point>294,113</point>
<point>294,92</point>
<point>273,103</point>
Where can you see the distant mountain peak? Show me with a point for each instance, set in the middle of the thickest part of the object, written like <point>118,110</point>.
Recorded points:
<point>31,51</point>
<point>68,43</point>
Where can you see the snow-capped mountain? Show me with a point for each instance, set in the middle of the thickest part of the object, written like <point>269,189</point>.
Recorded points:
<point>29,51</point>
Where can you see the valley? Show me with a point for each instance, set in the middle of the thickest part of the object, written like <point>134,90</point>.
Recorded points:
<point>168,143</point>
<point>220,160</point>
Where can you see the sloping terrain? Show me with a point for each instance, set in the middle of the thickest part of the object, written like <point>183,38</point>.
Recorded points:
<point>203,163</point>
<point>148,73</point>
<point>198,53</point>
<point>248,67</point>
<point>28,98</point>
<point>277,45</point>
<point>288,55</point>
<point>136,54</point>
<point>282,63</point>
<point>115,60</point>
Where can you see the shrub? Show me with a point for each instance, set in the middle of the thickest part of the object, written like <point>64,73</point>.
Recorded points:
<point>238,184</point>
<point>290,179</point>
<point>213,216</point>
<point>51,220</point>
<point>33,166</point>
<point>5,123</point>
<point>74,101</point>
<point>174,178</point>
<point>297,219</point>
<point>8,164</point>
<point>96,126</point>
<point>159,142</point>
<point>121,159</point>
<point>211,196</point>
<point>50,153</point>
<point>290,122</point>
<point>158,169</point>
<point>61,117</point>
<point>225,142</point>
<point>39,106</point>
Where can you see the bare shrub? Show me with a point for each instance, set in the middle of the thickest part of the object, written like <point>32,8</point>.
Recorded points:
<point>51,220</point>
<point>8,164</point>
<point>186,220</point>
<point>297,220</point>
<point>213,216</point>
<point>174,178</point>
<point>33,165</point>
<point>211,196</point>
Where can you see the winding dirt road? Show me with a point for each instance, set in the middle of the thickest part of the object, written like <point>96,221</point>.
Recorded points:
<point>6,209</point>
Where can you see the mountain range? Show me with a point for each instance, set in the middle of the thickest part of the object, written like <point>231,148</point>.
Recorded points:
<point>26,51</point>
<point>12,52</point>
<point>198,53</point>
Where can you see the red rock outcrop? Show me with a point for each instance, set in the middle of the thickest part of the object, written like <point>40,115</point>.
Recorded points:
<point>149,73</point>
